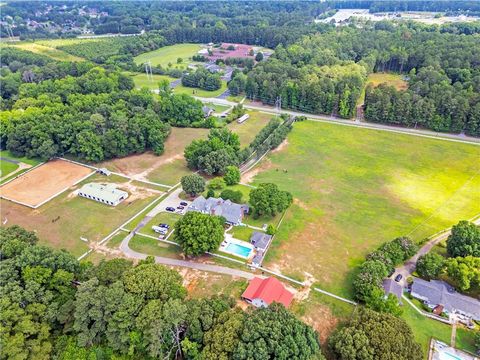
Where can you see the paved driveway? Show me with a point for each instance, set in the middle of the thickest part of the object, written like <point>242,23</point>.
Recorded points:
<point>172,200</point>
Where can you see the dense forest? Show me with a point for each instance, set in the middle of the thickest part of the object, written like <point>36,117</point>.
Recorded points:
<point>325,73</point>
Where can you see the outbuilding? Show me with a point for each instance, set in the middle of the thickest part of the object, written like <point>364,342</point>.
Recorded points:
<point>104,193</point>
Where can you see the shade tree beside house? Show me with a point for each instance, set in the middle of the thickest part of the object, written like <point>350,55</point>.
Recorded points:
<point>198,233</point>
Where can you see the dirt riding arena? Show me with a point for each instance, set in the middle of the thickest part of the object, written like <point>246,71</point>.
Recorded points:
<point>41,184</point>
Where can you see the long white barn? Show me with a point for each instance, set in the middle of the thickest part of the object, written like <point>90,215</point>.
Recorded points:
<point>106,194</point>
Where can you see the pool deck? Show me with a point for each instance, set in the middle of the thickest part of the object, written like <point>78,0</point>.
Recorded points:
<point>442,351</point>
<point>229,239</point>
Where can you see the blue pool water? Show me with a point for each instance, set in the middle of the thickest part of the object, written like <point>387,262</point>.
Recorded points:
<point>239,250</point>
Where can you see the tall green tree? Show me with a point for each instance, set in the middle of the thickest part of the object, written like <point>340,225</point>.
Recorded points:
<point>198,233</point>
<point>464,240</point>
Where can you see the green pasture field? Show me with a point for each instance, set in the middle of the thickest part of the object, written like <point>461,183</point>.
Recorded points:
<point>169,54</point>
<point>51,52</point>
<point>63,220</point>
<point>355,189</point>
<point>249,129</point>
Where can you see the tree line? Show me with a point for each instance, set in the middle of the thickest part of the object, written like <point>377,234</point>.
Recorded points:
<point>326,72</point>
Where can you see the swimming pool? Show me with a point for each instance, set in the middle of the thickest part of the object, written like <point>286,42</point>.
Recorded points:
<point>238,250</point>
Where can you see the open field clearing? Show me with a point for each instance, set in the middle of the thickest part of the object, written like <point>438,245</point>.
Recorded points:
<point>169,55</point>
<point>167,168</point>
<point>395,80</point>
<point>247,130</point>
<point>200,284</point>
<point>376,79</point>
<point>43,182</point>
<point>356,188</point>
<point>51,52</point>
<point>141,80</point>
<point>63,221</point>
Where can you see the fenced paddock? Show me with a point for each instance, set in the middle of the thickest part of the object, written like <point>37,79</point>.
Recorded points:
<point>36,187</point>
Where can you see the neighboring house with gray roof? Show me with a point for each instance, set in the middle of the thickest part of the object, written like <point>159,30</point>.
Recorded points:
<point>207,111</point>
<point>438,293</point>
<point>104,193</point>
<point>260,240</point>
<point>392,287</point>
<point>232,212</point>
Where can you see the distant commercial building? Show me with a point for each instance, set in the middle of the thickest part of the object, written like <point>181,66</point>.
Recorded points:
<point>104,193</point>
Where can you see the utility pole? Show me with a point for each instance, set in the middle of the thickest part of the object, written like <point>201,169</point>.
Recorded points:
<point>148,70</point>
<point>278,105</point>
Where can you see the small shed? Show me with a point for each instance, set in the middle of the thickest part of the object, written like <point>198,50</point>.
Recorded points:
<point>104,171</point>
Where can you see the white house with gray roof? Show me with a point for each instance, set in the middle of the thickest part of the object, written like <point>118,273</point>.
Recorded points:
<point>232,212</point>
<point>436,293</point>
<point>104,193</point>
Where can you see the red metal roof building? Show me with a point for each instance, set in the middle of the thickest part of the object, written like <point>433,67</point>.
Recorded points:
<point>262,292</point>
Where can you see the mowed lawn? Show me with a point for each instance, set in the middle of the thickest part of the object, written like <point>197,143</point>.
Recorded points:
<point>357,188</point>
<point>62,221</point>
<point>169,55</point>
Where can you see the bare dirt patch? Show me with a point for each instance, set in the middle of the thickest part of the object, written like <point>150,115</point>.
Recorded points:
<point>320,317</point>
<point>139,166</point>
<point>38,185</point>
<point>250,175</point>
<point>281,147</point>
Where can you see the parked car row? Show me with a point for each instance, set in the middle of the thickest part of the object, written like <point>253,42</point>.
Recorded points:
<point>180,208</point>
